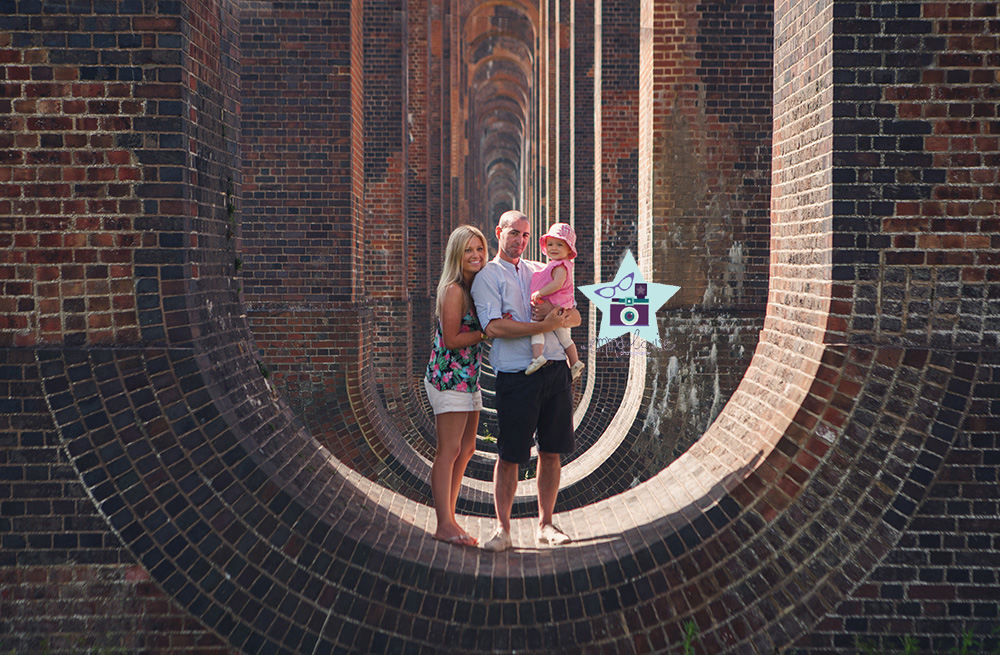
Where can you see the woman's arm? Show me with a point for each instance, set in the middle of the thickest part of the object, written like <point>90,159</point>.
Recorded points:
<point>452,311</point>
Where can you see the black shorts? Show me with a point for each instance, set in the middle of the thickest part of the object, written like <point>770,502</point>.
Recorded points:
<point>542,401</point>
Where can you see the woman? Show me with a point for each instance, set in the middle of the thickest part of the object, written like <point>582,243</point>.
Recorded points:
<point>452,379</point>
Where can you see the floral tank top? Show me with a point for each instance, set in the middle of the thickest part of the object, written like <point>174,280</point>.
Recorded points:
<point>456,370</point>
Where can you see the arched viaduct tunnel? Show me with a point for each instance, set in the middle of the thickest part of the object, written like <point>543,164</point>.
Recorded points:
<point>222,225</point>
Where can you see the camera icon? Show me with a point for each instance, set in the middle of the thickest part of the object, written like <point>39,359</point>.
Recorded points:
<point>631,311</point>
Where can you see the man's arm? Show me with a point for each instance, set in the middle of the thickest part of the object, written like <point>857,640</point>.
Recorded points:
<point>544,308</point>
<point>487,295</point>
<point>506,328</point>
<point>572,318</point>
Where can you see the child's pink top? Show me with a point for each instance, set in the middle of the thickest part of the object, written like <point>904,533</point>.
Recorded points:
<point>563,297</point>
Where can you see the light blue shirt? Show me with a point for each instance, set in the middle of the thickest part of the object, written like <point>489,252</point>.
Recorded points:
<point>501,289</point>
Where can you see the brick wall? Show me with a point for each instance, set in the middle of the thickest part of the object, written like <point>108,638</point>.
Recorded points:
<point>386,212</point>
<point>584,198</point>
<point>843,492</point>
<point>302,233</point>
<point>113,129</point>
<point>914,206</point>
<point>711,162</point>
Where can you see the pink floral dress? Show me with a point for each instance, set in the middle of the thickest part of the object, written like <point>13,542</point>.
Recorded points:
<point>456,370</point>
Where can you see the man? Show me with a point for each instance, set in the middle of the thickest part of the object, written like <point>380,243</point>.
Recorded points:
<point>525,403</point>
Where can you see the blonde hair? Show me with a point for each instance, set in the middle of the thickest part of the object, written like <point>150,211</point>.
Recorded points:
<point>452,269</point>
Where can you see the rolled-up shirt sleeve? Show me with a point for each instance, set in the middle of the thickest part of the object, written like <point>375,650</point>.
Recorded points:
<point>487,294</point>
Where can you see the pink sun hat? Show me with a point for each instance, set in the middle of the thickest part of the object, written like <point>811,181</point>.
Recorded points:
<point>560,231</point>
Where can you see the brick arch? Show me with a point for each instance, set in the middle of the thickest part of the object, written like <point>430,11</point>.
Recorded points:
<point>500,119</point>
<point>505,121</point>
<point>500,45</point>
<point>504,81</point>
<point>499,98</point>
<point>500,79</point>
<point>502,170</point>
<point>519,19</point>
<point>502,110</point>
<point>806,479</point>
<point>502,188</point>
<point>503,141</point>
<point>501,145</point>
<point>499,56</point>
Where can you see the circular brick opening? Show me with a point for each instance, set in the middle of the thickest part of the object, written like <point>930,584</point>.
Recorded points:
<point>804,481</point>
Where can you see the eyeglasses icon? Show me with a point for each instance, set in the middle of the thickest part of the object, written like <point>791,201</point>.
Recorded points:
<point>610,291</point>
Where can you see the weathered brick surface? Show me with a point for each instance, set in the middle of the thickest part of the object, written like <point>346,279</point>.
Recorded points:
<point>913,205</point>
<point>712,94</point>
<point>386,236</point>
<point>915,157</point>
<point>79,608</point>
<point>847,488</point>
<point>296,70</point>
<point>101,193</point>
<point>302,228</point>
<point>47,517</point>
<point>711,156</point>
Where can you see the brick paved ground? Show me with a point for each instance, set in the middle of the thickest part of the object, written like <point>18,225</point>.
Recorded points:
<point>221,226</point>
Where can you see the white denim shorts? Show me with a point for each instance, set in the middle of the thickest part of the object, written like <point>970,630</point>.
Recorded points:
<point>453,401</point>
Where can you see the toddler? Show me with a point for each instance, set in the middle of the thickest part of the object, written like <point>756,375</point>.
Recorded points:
<point>555,284</point>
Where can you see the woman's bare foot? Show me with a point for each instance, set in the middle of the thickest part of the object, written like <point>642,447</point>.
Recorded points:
<point>455,536</point>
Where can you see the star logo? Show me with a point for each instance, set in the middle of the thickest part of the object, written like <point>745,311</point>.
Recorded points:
<point>629,304</point>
